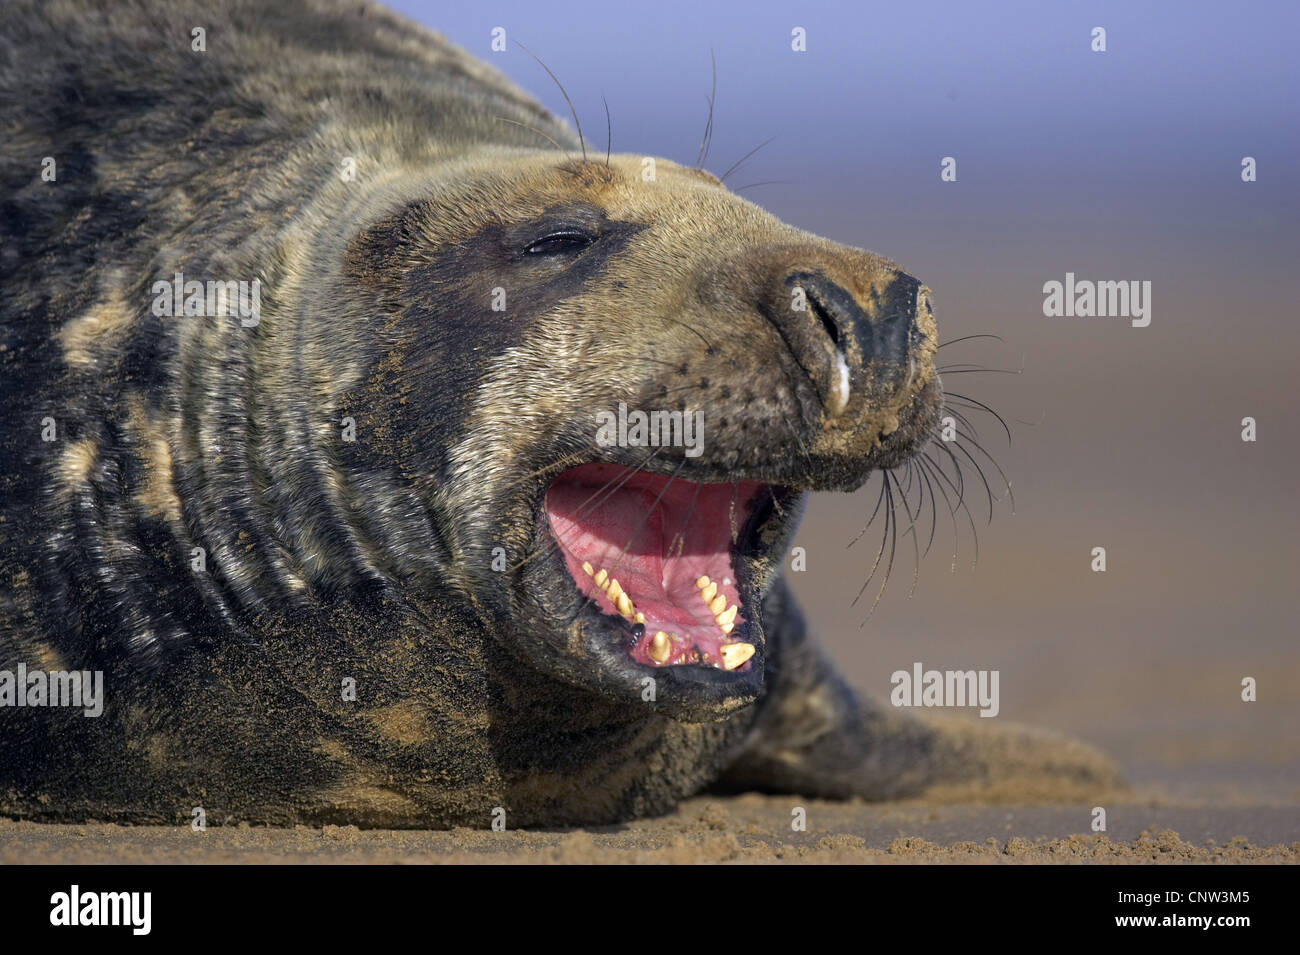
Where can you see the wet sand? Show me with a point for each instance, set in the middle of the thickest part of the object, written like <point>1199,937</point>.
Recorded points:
<point>743,829</point>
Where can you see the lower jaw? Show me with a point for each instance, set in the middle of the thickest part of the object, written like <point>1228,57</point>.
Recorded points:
<point>588,649</point>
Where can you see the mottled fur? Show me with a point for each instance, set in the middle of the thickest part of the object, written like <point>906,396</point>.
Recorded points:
<point>370,560</point>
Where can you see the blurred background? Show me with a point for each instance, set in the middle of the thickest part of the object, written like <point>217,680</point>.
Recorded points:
<point>1117,165</point>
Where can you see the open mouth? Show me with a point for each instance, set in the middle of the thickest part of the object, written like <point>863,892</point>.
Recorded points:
<point>658,554</point>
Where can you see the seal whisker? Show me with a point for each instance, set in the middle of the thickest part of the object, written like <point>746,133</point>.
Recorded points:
<point>983,477</point>
<point>956,466</point>
<point>659,361</point>
<point>646,518</point>
<point>909,474</point>
<point>586,505</point>
<point>961,504</point>
<point>983,407</point>
<point>739,162</point>
<point>966,338</point>
<point>565,93</point>
<point>708,344</point>
<point>534,129</point>
<point>731,513</point>
<point>794,433</point>
<point>540,552</point>
<point>707,139</point>
<point>993,461</point>
<point>672,391</point>
<point>964,421</point>
<point>879,499</point>
<point>880,553</point>
<point>911,530</point>
<point>562,462</point>
<point>906,489</point>
<point>780,511</point>
<point>988,491</point>
<point>929,466</point>
<point>934,511</point>
<point>679,539</point>
<point>951,408</point>
<point>891,530</point>
<point>609,132</point>
<point>765,182</point>
<point>632,472</point>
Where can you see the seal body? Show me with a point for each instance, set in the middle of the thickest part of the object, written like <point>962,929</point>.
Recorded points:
<point>305,322</point>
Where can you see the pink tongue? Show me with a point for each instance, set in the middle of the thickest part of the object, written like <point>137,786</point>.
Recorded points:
<point>597,526</point>
<point>628,524</point>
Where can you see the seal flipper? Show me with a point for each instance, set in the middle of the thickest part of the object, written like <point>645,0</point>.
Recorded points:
<point>816,736</point>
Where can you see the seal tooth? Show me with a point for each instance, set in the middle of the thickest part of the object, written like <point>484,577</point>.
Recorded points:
<point>601,576</point>
<point>702,582</point>
<point>623,604</point>
<point>727,627</point>
<point>586,568</point>
<point>718,604</point>
<point>639,618</point>
<point>734,654</point>
<point>709,592</point>
<point>728,616</point>
<point>659,648</point>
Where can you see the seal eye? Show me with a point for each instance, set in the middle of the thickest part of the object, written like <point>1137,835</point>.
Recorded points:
<point>565,242</point>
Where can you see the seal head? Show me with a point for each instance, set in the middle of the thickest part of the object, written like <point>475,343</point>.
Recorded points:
<point>567,298</point>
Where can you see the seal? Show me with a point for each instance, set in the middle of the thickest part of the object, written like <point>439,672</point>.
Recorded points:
<point>331,362</point>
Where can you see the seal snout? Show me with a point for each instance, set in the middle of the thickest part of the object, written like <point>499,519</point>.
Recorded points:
<point>849,347</point>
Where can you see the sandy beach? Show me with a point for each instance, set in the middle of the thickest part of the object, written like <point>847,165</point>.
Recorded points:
<point>742,829</point>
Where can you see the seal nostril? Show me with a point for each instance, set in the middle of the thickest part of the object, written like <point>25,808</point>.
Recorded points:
<point>827,321</point>
<point>839,387</point>
<point>835,307</point>
<point>841,319</point>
